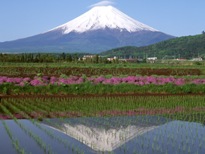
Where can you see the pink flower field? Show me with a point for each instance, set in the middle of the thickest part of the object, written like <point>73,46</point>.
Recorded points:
<point>136,80</point>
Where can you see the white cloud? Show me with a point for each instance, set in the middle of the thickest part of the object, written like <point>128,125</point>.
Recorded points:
<point>102,3</point>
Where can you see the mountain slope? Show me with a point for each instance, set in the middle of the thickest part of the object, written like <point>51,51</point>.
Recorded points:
<point>102,17</point>
<point>101,28</point>
<point>181,47</point>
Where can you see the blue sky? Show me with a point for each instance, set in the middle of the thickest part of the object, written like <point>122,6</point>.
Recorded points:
<point>23,18</point>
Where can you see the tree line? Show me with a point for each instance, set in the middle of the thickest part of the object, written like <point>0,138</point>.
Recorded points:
<point>51,58</point>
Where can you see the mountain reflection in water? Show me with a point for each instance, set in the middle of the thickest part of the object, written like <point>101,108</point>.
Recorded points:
<point>106,133</point>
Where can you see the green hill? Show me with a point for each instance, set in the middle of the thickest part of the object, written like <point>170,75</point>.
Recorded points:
<point>181,47</point>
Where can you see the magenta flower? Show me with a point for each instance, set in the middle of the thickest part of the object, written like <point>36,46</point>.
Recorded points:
<point>99,80</point>
<point>36,82</point>
<point>136,80</point>
<point>26,79</point>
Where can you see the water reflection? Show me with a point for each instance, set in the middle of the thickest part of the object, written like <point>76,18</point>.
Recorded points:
<point>106,133</point>
<point>120,135</point>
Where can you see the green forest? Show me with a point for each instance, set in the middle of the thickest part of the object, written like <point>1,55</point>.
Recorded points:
<point>182,47</point>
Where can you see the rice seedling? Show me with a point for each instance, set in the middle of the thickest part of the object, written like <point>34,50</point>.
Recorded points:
<point>34,136</point>
<point>14,141</point>
<point>48,132</point>
<point>145,109</point>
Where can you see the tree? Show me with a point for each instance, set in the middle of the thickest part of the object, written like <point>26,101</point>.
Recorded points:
<point>96,59</point>
<point>68,57</point>
<point>63,56</point>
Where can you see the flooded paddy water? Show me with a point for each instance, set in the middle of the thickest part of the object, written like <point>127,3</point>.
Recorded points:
<point>119,134</point>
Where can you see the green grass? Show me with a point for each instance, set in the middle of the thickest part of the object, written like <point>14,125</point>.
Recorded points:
<point>113,65</point>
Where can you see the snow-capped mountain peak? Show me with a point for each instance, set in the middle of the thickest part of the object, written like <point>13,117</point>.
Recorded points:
<point>101,17</point>
<point>99,29</point>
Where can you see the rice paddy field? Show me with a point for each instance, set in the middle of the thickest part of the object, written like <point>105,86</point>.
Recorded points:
<point>126,109</point>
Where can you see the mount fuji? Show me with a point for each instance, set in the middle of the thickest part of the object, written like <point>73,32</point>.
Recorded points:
<point>101,28</point>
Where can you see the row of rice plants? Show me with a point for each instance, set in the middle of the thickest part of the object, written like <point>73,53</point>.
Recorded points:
<point>101,106</point>
<point>20,108</point>
<point>15,142</point>
<point>181,101</point>
<point>95,107</point>
<point>152,143</point>
<point>125,103</point>
<point>27,131</point>
<point>48,122</point>
<point>173,137</point>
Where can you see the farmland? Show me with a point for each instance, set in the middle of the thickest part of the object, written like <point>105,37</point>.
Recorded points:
<point>115,108</point>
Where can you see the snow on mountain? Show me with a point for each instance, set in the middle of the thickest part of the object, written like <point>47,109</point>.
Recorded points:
<point>118,130</point>
<point>101,17</point>
<point>99,29</point>
<point>100,139</point>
